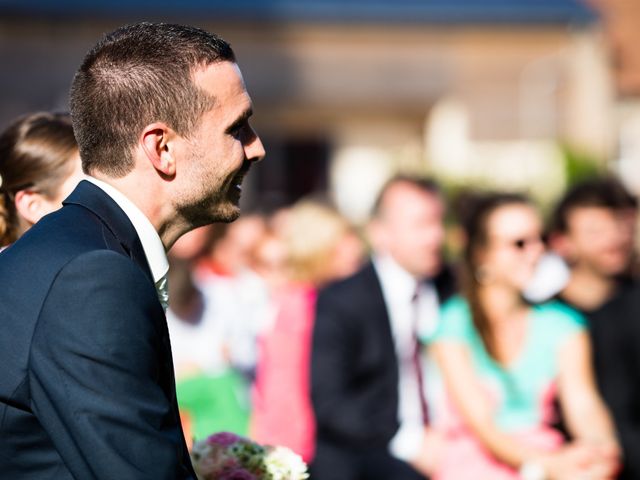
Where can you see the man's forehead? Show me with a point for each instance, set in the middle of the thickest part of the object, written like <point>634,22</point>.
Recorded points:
<point>223,82</point>
<point>592,211</point>
<point>590,217</point>
<point>405,192</point>
<point>220,79</point>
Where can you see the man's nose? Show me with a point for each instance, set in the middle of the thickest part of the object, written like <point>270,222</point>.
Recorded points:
<point>254,150</point>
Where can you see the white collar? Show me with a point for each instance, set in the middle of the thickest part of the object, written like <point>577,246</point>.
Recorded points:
<point>395,280</point>
<point>151,243</point>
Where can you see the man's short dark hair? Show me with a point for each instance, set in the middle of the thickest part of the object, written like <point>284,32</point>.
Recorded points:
<point>606,192</point>
<point>137,75</point>
<point>426,184</point>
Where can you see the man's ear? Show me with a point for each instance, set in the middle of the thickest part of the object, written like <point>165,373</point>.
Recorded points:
<point>157,142</point>
<point>30,205</point>
<point>561,244</point>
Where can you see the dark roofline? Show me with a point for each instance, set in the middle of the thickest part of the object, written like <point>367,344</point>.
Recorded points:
<point>446,12</point>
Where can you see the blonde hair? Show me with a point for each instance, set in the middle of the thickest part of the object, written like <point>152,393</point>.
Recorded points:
<point>311,235</point>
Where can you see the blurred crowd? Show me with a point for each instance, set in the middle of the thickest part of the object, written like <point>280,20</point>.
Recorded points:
<point>374,356</point>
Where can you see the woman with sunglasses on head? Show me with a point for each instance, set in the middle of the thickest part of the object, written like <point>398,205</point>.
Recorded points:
<point>39,166</point>
<point>504,362</point>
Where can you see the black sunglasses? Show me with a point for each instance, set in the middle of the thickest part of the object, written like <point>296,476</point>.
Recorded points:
<point>522,243</point>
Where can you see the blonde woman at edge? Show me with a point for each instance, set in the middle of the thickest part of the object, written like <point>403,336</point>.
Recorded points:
<point>321,247</point>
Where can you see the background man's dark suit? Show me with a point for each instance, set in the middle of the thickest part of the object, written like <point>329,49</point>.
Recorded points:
<point>87,388</point>
<point>354,376</point>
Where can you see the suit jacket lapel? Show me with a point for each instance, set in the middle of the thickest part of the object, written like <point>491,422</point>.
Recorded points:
<point>372,291</point>
<point>93,198</point>
<point>371,282</point>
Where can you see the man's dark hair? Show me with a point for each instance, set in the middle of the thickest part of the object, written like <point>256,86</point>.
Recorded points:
<point>137,75</point>
<point>607,192</point>
<point>425,184</point>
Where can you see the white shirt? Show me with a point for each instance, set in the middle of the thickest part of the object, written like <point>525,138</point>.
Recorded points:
<point>149,238</point>
<point>398,289</point>
<point>550,277</point>
<point>197,347</point>
<point>236,310</point>
<point>241,305</point>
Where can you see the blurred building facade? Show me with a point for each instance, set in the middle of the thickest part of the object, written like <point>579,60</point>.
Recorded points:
<point>488,92</point>
<point>621,21</point>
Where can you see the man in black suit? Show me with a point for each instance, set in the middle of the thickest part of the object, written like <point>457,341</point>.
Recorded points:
<point>366,378</point>
<point>87,390</point>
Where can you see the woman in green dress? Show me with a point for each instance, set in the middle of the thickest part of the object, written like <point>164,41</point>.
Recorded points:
<point>504,362</point>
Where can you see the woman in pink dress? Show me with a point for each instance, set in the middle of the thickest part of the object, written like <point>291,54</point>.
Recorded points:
<point>317,246</point>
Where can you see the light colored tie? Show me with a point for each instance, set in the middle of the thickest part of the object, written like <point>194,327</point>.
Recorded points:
<point>162,287</point>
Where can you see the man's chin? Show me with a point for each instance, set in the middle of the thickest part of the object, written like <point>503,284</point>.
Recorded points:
<point>431,269</point>
<point>227,213</point>
<point>231,217</point>
<point>221,213</point>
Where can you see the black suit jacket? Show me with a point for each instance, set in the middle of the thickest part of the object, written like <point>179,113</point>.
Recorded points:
<point>87,388</point>
<point>354,370</point>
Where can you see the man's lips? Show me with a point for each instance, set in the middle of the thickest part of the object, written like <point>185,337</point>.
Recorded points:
<point>239,177</point>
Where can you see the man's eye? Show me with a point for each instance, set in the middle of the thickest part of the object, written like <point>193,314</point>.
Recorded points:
<point>236,131</point>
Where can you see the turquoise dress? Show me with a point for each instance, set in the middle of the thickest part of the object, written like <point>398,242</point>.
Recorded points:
<point>521,393</point>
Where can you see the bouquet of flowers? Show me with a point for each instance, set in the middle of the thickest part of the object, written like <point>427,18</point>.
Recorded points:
<point>226,456</point>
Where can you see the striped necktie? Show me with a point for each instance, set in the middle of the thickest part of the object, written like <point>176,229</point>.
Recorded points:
<point>162,287</point>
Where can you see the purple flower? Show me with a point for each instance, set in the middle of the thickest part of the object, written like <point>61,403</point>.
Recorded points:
<point>236,474</point>
<point>223,439</point>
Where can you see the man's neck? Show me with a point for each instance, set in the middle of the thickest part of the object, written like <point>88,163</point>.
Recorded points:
<point>160,213</point>
<point>587,290</point>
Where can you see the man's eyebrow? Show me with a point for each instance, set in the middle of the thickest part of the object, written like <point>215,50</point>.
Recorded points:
<point>240,120</point>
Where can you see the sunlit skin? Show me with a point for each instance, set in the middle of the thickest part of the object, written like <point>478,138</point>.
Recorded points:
<point>506,263</point>
<point>598,245</point>
<point>507,269</point>
<point>232,252</point>
<point>270,261</point>
<point>181,182</point>
<point>221,148</point>
<point>410,228</point>
<point>598,239</point>
<point>32,205</point>
<point>347,256</point>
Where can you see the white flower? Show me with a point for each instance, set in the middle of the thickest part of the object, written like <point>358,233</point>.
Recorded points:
<point>226,455</point>
<point>283,464</point>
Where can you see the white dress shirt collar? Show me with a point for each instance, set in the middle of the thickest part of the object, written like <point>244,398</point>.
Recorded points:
<point>151,243</point>
<point>397,284</point>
